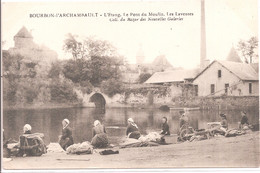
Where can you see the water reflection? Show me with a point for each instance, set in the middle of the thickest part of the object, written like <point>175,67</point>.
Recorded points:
<point>48,121</point>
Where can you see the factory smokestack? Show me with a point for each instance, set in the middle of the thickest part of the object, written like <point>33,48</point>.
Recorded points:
<point>202,36</point>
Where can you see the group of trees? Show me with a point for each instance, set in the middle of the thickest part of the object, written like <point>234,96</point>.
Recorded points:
<point>94,63</point>
<point>24,82</point>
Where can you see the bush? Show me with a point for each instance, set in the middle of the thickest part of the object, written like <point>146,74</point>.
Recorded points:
<point>111,87</point>
<point>62,92</point>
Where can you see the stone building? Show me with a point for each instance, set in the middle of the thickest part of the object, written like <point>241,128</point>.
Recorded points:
<point>25,46</point>
<point>178,81</point>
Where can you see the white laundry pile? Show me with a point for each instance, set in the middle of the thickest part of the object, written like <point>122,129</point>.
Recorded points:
<point>54,147</point>
<point>151,137</point>
<point>84,147</point>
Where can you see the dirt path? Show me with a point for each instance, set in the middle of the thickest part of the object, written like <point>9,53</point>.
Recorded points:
<point>241,151</point>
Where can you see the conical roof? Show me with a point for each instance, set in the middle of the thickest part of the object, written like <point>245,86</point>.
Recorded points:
<point>161,60</point>
<point>233,56</point>
<point>23,32</point>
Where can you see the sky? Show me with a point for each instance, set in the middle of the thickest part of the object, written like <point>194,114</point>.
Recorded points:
<point>227,22</point>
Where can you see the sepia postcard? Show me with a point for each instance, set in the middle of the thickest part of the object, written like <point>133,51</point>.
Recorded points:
<point>146,84</point>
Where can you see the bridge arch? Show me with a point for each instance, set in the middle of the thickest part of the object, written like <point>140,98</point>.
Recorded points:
<point>98,99</point>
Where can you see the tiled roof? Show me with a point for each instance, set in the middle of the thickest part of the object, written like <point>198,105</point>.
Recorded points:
<point>241,70</point>
<point>172,76</point>
<point>23,32</point>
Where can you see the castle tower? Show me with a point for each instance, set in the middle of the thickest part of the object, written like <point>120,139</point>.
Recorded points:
<point>203,36</point>
<point>23,39</point>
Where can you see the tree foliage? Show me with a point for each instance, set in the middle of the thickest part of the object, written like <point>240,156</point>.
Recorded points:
<point>23,85</point>
<point>93,60</point>
<point>248,49</point>
<point>111,87</point>
<point>93,63</point>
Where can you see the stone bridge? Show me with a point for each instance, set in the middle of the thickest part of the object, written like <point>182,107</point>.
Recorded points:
<point>95,99</point>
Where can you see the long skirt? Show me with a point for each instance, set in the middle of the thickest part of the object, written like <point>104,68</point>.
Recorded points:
<point>100,140</point>
<point>134,135</point>
<point>65,143</point>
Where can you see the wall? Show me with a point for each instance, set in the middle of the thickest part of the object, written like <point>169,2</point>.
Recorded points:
<point>219,102</point>
<point>244,87</point>
<point>210,76</point>
<point>162,96</point>
<point>43,56</point>
<point>21,42</point>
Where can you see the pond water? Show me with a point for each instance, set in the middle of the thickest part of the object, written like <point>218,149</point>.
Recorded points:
<point>48,121</point>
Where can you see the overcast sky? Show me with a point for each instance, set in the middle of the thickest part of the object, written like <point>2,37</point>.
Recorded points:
<point>227,21</point>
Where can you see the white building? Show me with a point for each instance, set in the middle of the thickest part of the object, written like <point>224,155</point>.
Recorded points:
<point>227,78</point>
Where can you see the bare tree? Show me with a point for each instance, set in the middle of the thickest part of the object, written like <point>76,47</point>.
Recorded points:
<point>248,49</point>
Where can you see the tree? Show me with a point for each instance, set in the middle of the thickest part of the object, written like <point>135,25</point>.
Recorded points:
<point>55,70</point>
<point>93,60</point>
<point>111,87</point>
<point>75,47</point>
<point>11,74</point>
<point>87,47</point>
<point>248,49</point>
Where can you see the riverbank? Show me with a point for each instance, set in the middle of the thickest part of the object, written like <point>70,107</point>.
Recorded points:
<point>203,103</point>
<point>240,151</point>
<point>42,106</point>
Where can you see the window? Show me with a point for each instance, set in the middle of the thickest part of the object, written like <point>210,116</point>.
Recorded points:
<point>250,88</point>
<point>196,88</point>
<point>219,73</point>
<point>226,88</point>
<point>212,89</point>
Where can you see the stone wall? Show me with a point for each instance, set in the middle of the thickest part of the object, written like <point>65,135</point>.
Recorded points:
<point>158,96</point>
<point>220,102</point>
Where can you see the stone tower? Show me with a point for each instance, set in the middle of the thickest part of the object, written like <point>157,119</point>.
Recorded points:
<point>23,39</point>
<point>25,46</point>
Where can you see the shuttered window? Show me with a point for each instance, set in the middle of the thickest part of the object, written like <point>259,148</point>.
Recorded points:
<point>226,88</point>
<point>219,74</point>
<point>212,89</point>
<point>250,88</point>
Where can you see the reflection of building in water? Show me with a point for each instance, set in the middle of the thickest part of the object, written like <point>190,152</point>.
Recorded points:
<point>25,46</point>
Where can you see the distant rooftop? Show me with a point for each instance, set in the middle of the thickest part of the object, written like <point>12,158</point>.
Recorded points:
<point>161,61</point>
<point>172,76</point>
<point>233,56</point>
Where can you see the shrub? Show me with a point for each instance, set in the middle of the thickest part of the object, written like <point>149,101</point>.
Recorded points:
<point>111,87</point>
